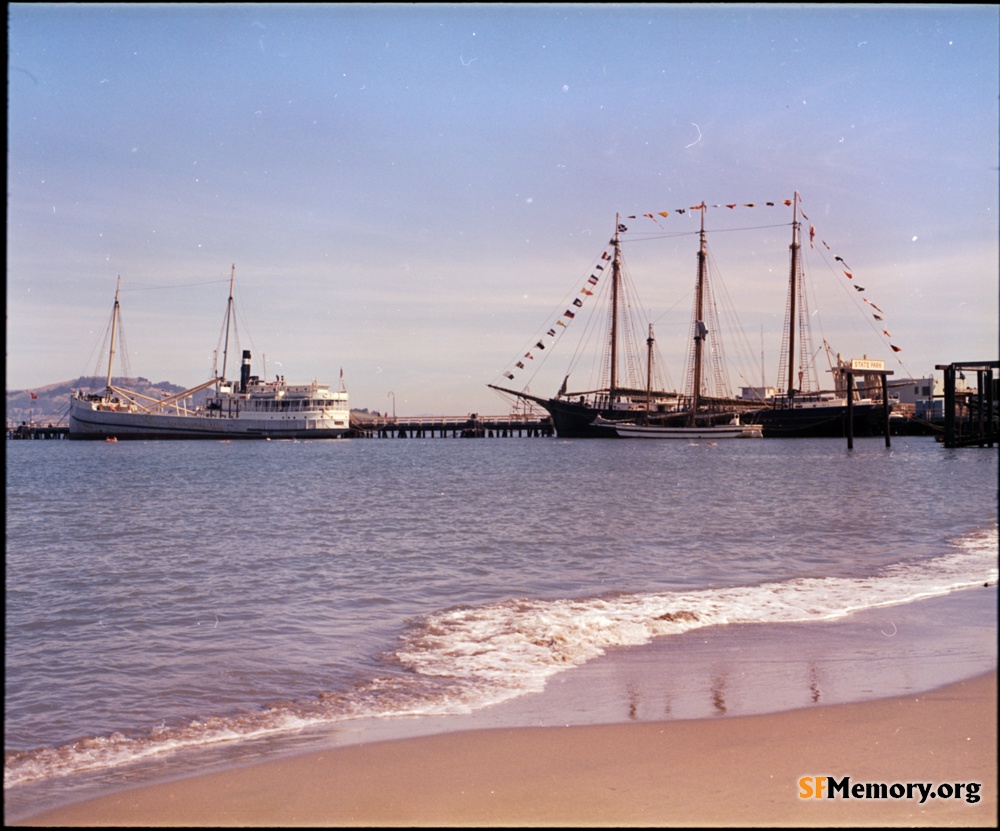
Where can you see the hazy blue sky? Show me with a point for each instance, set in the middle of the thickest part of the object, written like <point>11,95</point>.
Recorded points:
<point>409,191</point>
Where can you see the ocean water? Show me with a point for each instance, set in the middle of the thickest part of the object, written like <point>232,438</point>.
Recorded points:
<point>164,600</point>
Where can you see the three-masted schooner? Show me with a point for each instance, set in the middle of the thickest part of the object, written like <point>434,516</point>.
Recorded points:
<point>616,410</point>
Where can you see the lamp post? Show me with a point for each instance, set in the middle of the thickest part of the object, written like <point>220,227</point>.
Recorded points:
<point>392,395</point>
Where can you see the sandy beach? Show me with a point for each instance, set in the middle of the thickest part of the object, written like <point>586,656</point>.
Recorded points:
<point>732,772</point>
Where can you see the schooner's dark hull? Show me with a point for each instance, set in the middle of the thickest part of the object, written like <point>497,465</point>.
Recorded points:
<point>573,420</point>
<point>824,422</point>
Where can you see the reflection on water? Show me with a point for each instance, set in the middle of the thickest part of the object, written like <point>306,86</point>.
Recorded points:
<point>744,670</point>
<point>814,682</point>
<point>719,695</point>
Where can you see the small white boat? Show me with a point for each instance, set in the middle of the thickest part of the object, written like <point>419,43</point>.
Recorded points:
<point>631,430</point>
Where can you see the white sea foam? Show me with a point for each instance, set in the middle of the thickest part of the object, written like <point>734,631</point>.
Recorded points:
<point>515,645</point>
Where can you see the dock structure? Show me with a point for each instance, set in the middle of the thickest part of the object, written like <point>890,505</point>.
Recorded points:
<point>472,426</point>
<point>382,427</point>
<point>37,431</point>
<point>971,419</point>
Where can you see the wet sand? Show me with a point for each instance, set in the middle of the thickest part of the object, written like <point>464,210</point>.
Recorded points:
<point>734,771</point>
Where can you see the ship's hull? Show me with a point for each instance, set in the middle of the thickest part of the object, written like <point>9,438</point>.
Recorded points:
<point>88,422</point>
<point>574,419</point>
<point>819,422</point>
<point>582,418</point>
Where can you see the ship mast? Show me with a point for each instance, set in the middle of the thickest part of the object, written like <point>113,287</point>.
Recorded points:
<point>229,312</point>
<point>114,330</point>
<point>615,280</point>
<point>792,299</point>
<point>700,331</point>
<point>649,371</point>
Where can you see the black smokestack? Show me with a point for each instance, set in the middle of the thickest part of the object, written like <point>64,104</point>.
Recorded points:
<point>245,370</point>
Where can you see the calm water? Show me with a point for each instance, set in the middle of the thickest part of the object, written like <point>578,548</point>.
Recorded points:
<point>164,597</point>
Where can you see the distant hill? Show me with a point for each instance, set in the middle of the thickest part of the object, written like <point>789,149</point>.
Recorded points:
<point>51,406</point>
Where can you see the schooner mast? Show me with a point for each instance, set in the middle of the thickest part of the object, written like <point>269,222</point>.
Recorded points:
<point>700,330</point>
<point>114,330</point>
<point>615,289</point>
<point>792,298</point>
<point>229,313</point>
<point>650,341</point>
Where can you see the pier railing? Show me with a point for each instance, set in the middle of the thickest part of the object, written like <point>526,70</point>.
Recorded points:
<point>467,426</point>
<point>37,431</point>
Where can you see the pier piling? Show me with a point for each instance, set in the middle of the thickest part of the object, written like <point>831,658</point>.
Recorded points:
<point>980,421</point>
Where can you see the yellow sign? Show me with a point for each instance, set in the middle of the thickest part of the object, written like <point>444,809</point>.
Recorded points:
<point>864,364</point>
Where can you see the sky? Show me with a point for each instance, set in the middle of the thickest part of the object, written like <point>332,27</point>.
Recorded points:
<point>408,192</point>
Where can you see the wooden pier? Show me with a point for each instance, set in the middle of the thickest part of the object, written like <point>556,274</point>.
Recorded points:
<point>37,431</point>
<point>979,426</point>
<point>466,427</point>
